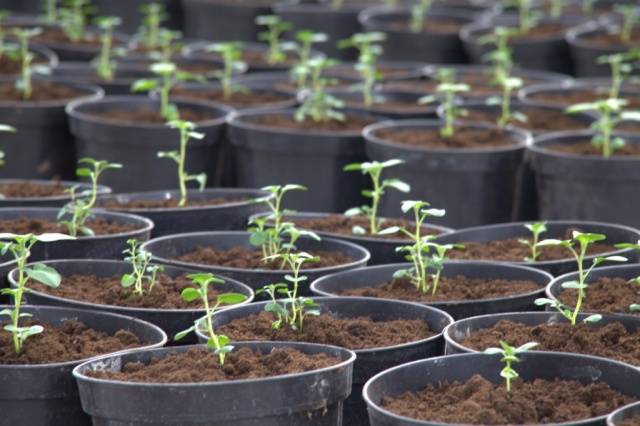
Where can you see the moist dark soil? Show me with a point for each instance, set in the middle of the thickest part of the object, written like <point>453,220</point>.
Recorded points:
<point>610,295</point>
<point>351,124</point>
<point>241,257</point>
<point>42,91</point>
<point>237,99</point>
<point>633,421</point>
<point>167,203</point>
<point>70,341</point>
<point>610,341</point>
<point>538,120</point>
<point>28,189</point>
<point>165,294</point>
<point>543,31</point>
<point>587,148</point>
<point>612,40</point>
<point>439,26</point>
<point>256,58</point>
<point>28,225</point>
<point>449,289</point>
<point>351,333</point>
<point>9,66</point>
<point>390,106</point>
<point>568,97</point>
<point>481,84</point>
<point>463,138</point>
<point>386,72</point>
<point>201,365</point>
<point>480,402</point>
<point>343,225</point>
<point>149,116</point>
<point>58,36</point>
<point>290,87</point>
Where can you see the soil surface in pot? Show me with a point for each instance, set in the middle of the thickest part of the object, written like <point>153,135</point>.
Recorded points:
<point>42,91</point>
<point>165,294</point>
<point>350,124</point>
<point>480,402</point>
<point>351,333</point>
<point>439,26</point>
<point>538,120</point>
<point>540,32</point>
<point>602,39</point>
<point>10,66</point>
<point>149,116</point>
<point>58,36</point>
<point>463,138</point>
<point>167,203</point>
<point>588,148</point>
<point>255,58</point>
<point>241,257</point>
<point>28,189</point>
<point>449,289</point>
<point>607,294</point>
<point>568,97</point>
<point>29,225</point>
<point>389,106</point>
<point>481,84</point>
<point>201,365</point>
<point>385,72</point>
<point>70,341</point>
<point>633,421</point>
<point>610,341</point>
<point>241,98</point>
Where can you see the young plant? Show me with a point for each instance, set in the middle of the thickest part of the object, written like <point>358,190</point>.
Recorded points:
<point>578,245</point>
<point>556,7</point>
<point>374,170</point>
<point>419,12</point>
<point>305,39</point>
<point>81,209</point>
<point>51,11</point>
<point>20,247</point>
<point>143,274</point>
<point>105,66</point>
<point>170,44</point>
<point>187,132</point>
<point>528,17</point>
<point>368,53</point>
<point>275,28</point>
<point>630,18</point>
<point>231,53</point>
<point>73,18</point>
<point>218,342</point>
<point>319,105</point>
<point>536,229</point>
<point>23,84</point>
<point>621,65</point>
<point>336,4</point>
<point>509,356</point>
<point>154,15</point>
<point>446,93</point>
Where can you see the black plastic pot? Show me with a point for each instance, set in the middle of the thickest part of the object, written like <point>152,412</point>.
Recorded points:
<point>221,217</point>
<point>535,93</point>
<point>625,413</point>
<point>171,321</point>
<point>417,375</point>
<point>222,20</point>
<point>42,148</point>
<point>313,398</point>
<point>402,44</point>
<point>53,201</point>
<point>585,187</point>
<point>333,284</point>
<point>135,145</point>
<point>167,249</point>
<point>124,76</point>
<point>555,229</point>
<point>368,361</point>
<point>47,394</point>
<point>489,176</point>
<point>585,54</point>
<point>129,12</point>
<point>97,247</point>
<point>273,155</point>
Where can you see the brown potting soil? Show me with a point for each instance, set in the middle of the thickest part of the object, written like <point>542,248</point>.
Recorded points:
<point>149,116</point>
<point>351,333</point>
<point>538,120</point>
<point>568,97</point>
<point>480,402</point>
<point>241,257</point>
<point>167,203</point>
<point>28,225</point>
<point>70,341</point>
<point>42,91</point>
<point>587,148</point>
<point>449,288</point>
<point>28,189</point>
<point>165,294</point>
<point>612,40</point>
<point>463,138</point>
<point>10,66</point>
<point>58,36</point>
<point>610,341</point>
<point>261,58</point>
<point>386,72</point>
<point>351,124</point>
<point>201,365</point>
<point>440,26</point>
<point>239,98</point>
<point>390,106</point>
<point>633,421</point>
<point>607,294</point>
<point>542,31</point>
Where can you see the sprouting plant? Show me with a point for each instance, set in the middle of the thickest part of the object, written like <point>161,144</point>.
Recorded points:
<point>50,11</point>
<point>285,304</point>
<point>81,209</point>
<point>187,132</point>
<point>8,129</point>
<point>318,104</point>
<point>154,15</point>
<point>578,245</point>
<point>143,274</point>
<point>446,94</point>
<point>587,6</point>
<point>73,17</point>
<point>556,7</point>
<point>621,67</point>
<point>630,18</point>
<point>336,4</point>
<point>368,52</point>
<point>634,307</point>
<point>218,342</point>
<point>509,356</point>
<point>374,170</point>
<point>305,39</point>
<point>275,28</point>
<point>105,65</point>
<point>528,16</point>
<point>23,84</point>
<point>231,53</point>
<point>419,13</point>
<point>20,247</point>
<point>537,229</point>
<point>169,44</point>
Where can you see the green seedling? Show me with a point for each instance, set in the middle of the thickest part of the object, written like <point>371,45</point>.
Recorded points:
<point>419,12</point>
<point>528,16</point>
<point>20,247</point>
<point>318,104</point>
<point>105,66</point>
<point>337,4</point>
<point>73,17</point>
<point>578,245</point>
<point>509,356</point>
<point>219,343</point>
<point>446,93</point>
<point>275,28</point>
<point>536,229</point>
<point>368,52</point>
<point>634,307</point>
<point>51,11</point>
<point>305,39</point>
<point>144,275</point>
<point>621,66</point>
<point>374,170</point>
<point>187,132</point>
<point>231,54</point>
<point>587,6</point>
<point>149,33</point>
<point>556,7</point>
<point>24,83</point>
<point>170,44</point>
<point>630,18</point>
<point>81,209</point>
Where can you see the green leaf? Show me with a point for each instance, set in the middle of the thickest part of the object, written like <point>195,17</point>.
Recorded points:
<point>398,184</point>
<point>190,294</point>
<point>526,347</point>
<point>493,351</point>
<point>180,335</point>
<point>592,319</point>
<point>573,285</point>
<point>44,274</point>
<point>231,298</point>
<point>127,280</point>
<point>51,237</point>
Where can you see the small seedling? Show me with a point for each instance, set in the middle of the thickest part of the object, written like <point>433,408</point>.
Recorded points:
<point>621,65</point>
<point>51,11</point>
<point>149,34</point>
<point>528,16</point>
<point>336,4</point>
<point>20,247</point>
<point>218,342</point>
<point>509,356</point>
<point>24,84</point>
<point>587,6</point>
<point>231,53</point>
<point>630,18</point>
<point>275,28</point>
<point>536,229</point>
<point>144,274</point>
<point>73,17</point>
<point>634,307</point>
<point>305,39</point>
<point>81,209</point>
<point>556,7</point>
<point>419,12</point>
<point>446,93</point>
<point>105,66</point>
<point>319,105</point>
<point>374,170</point>
<point>368,52</point>
<point>187,132</point>
<point>582,241</point>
